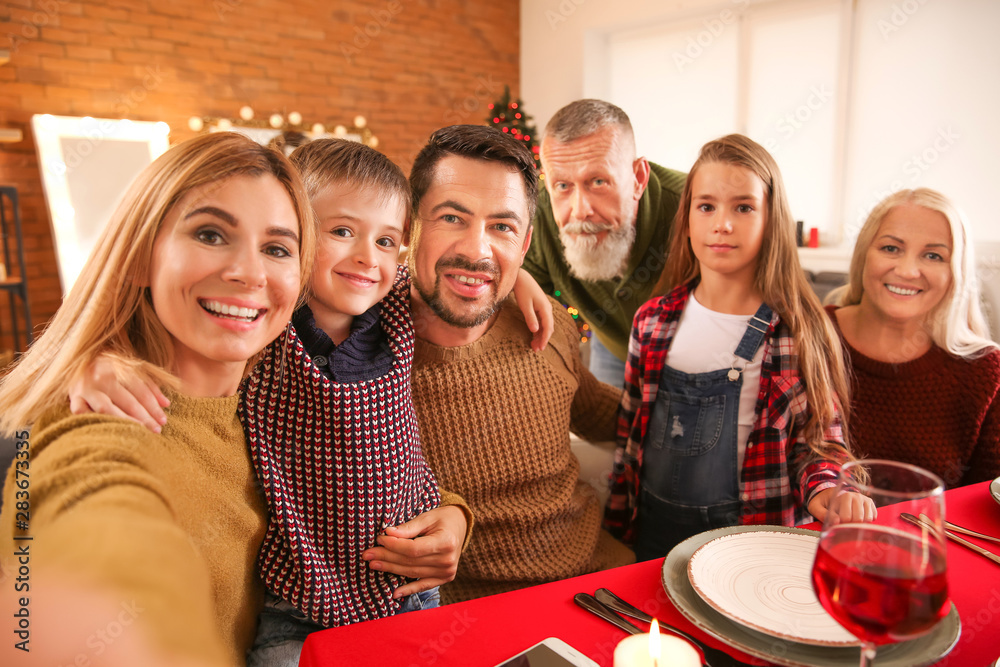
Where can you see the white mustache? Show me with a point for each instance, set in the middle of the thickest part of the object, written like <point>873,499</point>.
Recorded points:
<point>586,227</point>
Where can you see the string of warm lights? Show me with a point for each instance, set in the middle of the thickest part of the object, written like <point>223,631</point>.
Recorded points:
<point>292,123</point>
<point>584,328</point>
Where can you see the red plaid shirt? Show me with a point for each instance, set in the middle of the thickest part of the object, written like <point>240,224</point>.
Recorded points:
<point>780,473</point>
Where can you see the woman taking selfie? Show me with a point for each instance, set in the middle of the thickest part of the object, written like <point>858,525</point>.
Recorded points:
<point>926,377</point>
<point>197,271</point>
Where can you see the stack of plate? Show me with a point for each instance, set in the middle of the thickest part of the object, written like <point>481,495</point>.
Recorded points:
<point>751,587</point>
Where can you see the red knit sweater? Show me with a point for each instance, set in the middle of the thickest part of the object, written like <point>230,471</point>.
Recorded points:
<point>338,463</point>
<point>939,412</point>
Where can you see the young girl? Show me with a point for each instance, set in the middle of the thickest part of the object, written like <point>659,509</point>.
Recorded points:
<point>730,413</point>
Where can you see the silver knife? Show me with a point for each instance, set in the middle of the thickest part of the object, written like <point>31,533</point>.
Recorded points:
<point>718,657</point>
<point>594,606</point>
<point>590,603</point>
<point>952,536</point>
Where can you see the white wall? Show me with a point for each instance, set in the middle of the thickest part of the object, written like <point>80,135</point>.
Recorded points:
<point>920,108</point>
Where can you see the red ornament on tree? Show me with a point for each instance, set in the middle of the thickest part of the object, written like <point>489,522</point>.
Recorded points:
<point>516,124</point>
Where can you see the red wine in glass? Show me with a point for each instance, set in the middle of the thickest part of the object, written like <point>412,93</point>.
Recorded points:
<point>884,581</point>
<point>881,585</point>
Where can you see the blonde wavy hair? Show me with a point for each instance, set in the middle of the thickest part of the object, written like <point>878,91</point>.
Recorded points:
<point>957,323</point>
<point>108,310</point>
<point>780,280</point>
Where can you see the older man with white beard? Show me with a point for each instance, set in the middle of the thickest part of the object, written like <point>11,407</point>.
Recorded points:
<point>602,225</point>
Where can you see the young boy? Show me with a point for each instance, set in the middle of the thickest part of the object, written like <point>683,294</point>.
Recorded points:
<point>342,466</point>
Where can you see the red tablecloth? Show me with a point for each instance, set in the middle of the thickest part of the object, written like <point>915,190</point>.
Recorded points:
<point>489,630</point>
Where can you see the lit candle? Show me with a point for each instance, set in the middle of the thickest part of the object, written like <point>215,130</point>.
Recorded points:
<point>655,650</point>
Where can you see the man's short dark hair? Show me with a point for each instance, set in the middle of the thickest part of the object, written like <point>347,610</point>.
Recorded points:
<point>477,142</point>
<point>585,117</point>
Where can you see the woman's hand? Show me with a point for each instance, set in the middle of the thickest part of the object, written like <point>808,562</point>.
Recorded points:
<point>425,548</point>
<point>847,507</point>
<point>110,387</point>
<point>536,308</point>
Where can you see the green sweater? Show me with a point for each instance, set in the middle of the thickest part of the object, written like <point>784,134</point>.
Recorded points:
<point>142,537</point>
<point>609,305</point>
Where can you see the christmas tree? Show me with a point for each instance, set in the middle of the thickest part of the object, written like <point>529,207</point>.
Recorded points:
<point>507,115</point>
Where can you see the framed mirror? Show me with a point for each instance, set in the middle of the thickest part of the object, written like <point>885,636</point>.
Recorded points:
<point>87,164</point>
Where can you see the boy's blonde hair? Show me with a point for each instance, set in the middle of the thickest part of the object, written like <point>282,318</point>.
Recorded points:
<point>324,162</point>
<point>779,279</point>
<point>957,323</point>
<point>108,310</point>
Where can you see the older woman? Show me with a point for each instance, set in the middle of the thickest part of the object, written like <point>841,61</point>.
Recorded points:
<point>198,270</point>
<point>926,379</point>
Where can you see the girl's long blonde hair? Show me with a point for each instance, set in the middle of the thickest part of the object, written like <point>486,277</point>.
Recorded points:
<point>779,279</point>
<point>957,323</point>
<point>108,310</point>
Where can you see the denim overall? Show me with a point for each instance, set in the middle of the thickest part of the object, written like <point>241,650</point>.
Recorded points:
<point>689,481</point>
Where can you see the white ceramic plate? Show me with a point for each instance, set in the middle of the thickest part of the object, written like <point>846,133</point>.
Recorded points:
<point>995,489</point>
<point>917,652</point>
<point>763,579</point>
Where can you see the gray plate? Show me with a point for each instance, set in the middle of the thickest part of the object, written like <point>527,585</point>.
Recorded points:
<point>918,652</point>
<point>995,489</point>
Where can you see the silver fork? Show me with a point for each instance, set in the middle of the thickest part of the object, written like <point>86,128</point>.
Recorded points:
<point>598,608</point>
<point>718,657</point>
<point>923,522</point>
<point>959,529</point>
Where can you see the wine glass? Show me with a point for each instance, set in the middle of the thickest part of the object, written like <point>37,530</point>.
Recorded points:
<point>885,581</point>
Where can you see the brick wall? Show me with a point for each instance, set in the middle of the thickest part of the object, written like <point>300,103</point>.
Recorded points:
<point>408,66</point>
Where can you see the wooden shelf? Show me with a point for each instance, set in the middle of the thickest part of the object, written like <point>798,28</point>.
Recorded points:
<point>12,255</point>
<point>10,135</point>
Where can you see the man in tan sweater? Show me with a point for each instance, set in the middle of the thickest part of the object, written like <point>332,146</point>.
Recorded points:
<point>494,415</point>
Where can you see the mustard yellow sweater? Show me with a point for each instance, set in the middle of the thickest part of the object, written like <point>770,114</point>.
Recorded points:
<point>167,525</point>
<point>495,419</point>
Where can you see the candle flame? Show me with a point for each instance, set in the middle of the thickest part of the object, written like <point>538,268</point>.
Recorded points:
<point>654,641</point>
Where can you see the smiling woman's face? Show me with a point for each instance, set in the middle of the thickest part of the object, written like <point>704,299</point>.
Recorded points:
<point>908,265</point>
<point>224,278</point>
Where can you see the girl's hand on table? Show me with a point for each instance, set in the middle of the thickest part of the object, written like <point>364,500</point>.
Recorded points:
<point>110,387</point>
<point>425,548</point>
<point>848,507</point>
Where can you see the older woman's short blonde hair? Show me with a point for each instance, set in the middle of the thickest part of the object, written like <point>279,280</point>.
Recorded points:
<point>957,323</point>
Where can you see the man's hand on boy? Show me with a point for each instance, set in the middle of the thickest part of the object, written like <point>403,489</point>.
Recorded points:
<point>847,507</point>
<point>536,308</point>
<point>109,388</point>
<point>425,548</point>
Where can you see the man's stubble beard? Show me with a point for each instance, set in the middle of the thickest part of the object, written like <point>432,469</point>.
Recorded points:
<point>436,303</point>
